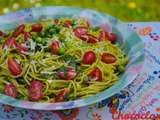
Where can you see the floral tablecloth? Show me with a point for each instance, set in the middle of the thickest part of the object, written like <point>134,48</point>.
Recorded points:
<point>139,100</point>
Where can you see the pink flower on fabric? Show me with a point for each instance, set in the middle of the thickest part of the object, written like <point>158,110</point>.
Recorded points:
<point>145,30</point>
<point>8,108</point>
<point>96,116</point>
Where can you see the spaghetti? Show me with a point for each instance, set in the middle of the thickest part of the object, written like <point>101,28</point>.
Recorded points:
<point>58,60</point>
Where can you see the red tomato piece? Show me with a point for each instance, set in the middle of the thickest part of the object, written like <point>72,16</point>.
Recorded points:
<point>36,90</point>
<point>14,68</point>
<point>55,47</point>
<point>70,74</point>
<point>10,90</point>
<point>37,27</point>
<point>112,37</point>
<point>68,23</point>
<point>89,38</point>
<point>19,30</point>
<point>10,42</point>
<point>96,74</point>
<point>107,36</point>
<point>21,48</point>
<point>27,35</point>
<point>62,94</point>
<point>108,58</point>
<point>89,57</point>
<point>80,31</point>
<point>103,35</point>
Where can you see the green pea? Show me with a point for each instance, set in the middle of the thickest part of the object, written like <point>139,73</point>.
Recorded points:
<point>121,68</point>
<point>43,34</point>
<point>44,42</point>
<point>1,40</point>
<point>39,40</point>
<point>61,51</point>
<point>52,30</point>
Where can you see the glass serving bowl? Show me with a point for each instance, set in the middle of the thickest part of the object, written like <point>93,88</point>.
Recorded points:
<point>129,40</point>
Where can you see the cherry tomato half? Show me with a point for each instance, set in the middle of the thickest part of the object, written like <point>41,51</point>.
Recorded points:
<point>21,48</point>
<point>27,35</point>
<point>96,74</point>
<point>36,90</point>
<point>62,94</point>
<point>13,66</point>
<point>89,38</point>
<point>68,23</point>
<point>10,42</point>
<point>37,27</point>
<point>108,58</point>
<point>80,31</point>
<point>10,90</point>
<point>89,57</point>
<point>69,75</point>
<point>55,47</point>
<point>19,30</point>
<point>107,36</point>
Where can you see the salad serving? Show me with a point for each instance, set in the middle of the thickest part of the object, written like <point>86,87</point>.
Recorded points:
<point>58,60</point>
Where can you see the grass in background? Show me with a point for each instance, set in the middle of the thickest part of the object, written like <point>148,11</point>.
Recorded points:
<point>126,10</point>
